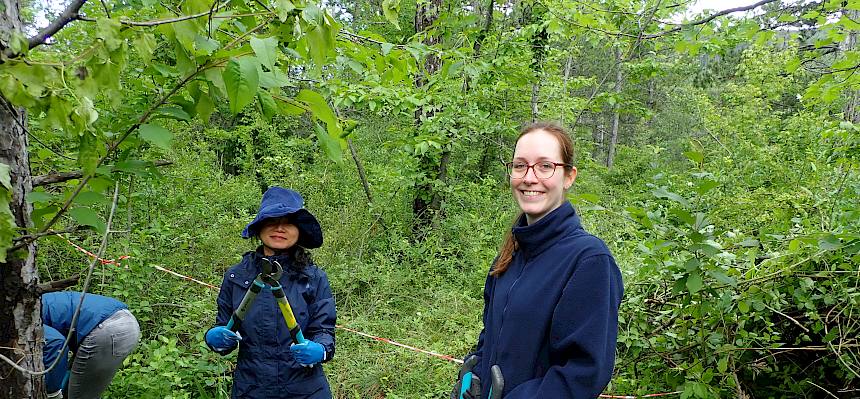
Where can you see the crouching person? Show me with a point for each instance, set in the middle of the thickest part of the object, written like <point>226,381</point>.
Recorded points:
<point>105,334</point>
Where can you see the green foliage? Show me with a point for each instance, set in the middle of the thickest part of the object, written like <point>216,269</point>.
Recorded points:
<point>7,220</point>
<point>731,206</point>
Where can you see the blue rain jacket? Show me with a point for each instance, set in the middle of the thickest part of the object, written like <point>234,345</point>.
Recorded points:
<point>551,319</point>
<point>51,351</point>
<point>58,308</point>
<point>265,367</point>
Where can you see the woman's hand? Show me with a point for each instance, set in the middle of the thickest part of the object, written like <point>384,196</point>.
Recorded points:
<point>221,339</point>
<point>308,353</point>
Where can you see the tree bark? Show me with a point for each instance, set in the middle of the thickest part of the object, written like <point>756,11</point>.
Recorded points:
<point>20,319</point>
<point>851,110</point>
<point>426,14</point>
<point>613,138</point>
<point>360,168</point>
<point>597,137</point>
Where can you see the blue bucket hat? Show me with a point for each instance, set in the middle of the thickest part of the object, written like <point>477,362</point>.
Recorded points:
<point>278,202</point>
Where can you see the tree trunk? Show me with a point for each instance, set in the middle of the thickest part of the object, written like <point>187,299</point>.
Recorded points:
<point>564,94</point>
<point>426,14</point>
<point>613,138</point>
<point>535,98</point>
<point>851,110</point>
<point>597,138</point>
<point>20,319</point>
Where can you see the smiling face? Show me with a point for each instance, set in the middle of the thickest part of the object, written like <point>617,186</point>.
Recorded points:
<point>538,197</point>
<point>278,234</point>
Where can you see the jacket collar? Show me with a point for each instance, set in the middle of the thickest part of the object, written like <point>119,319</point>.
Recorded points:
<point>534,239</point>
<point>251,266</point>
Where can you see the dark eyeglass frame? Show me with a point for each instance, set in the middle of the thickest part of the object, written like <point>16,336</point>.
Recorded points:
<point>510,167</point>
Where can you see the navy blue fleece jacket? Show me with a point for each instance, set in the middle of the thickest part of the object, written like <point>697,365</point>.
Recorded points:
<point>551,319</point>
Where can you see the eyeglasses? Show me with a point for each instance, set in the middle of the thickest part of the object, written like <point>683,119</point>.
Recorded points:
<point>543,169</point>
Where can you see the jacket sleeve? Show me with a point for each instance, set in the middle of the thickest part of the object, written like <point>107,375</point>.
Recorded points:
<point>225,310</point>
<point>53,344</point>
<point>583,334</point>
<point>479,348</point>
<point>322,317</point>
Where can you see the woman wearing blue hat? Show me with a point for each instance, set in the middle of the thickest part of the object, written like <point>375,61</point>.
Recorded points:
<point>270,364</point>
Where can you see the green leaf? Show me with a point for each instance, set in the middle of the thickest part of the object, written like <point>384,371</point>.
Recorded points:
<point>39,196</point>
<point>136,167</point>
<point>5,178</point>
<point>156,135</point>
<point>284,7</point>
<point>145,45</point>
<point>19,43</point>
<point>88,198</point>
<point>391,9</point>
<point>88,217</point>
<point>88,153</point>
<point>173,113</point>
<point>329,144</point>
<point>695,156</point>
<point>109,31</point>
<point>266,51</point>
<point>386,48</point>
<point>663,193</point>
<point>7,219</point>
<point>319,107</point>
<point>723,364</point>
<point>267,104</point>
<point>287,108</point>
<point>274,78</point>
<point>204,107</point>
<point>723,278</point>
<point>706,185</point>
<point>694,282</point>
<point>829,243</point>
<point>749,242</point>
<point>241,81</point>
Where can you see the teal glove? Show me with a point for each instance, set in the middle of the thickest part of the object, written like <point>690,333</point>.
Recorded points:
<point>308,353</point>
<point>473,391</point>
<point>221,339</point>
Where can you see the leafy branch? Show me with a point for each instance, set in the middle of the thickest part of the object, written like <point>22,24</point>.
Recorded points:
<point>69,14</point>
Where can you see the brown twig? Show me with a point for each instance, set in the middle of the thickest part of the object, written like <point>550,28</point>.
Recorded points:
<point>59,177</point>
<point>57,285</point>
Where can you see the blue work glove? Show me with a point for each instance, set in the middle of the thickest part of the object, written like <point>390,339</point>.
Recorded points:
<point>221,339</point>
<point>308,353</point>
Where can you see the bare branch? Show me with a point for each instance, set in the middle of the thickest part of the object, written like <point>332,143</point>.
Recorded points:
<point>57,285</point>
<point>47,233</point>
<point>709,18</point>
<point>69,14</point>
<point>59,177</point>
<point>167,20</point>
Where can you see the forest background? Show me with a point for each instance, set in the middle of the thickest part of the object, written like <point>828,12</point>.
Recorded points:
<point>718,158</point>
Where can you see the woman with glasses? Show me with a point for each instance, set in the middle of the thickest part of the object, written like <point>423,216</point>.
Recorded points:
<point>552,295</point>
<point>270,364</point>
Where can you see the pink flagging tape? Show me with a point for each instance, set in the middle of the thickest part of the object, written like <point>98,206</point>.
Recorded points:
<point>92,255</point>
<point>412,348</point>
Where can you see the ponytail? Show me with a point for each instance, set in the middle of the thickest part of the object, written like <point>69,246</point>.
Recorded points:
<point>506,254</point>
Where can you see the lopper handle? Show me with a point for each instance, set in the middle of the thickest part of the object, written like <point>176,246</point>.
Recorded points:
<point>497,382</point>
